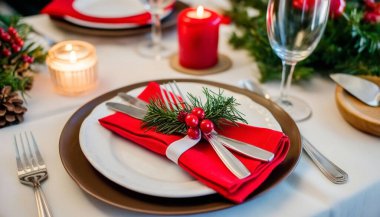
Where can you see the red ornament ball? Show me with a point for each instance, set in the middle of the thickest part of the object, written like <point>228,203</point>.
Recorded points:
<point>207,126</point>
<point>191,120</point>
<point>199,112</point>
<point>193,133</point>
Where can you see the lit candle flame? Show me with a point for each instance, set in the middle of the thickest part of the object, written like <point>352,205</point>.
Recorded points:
<point>73,57</point>
<point>69,47</point>
<point>200,11</point>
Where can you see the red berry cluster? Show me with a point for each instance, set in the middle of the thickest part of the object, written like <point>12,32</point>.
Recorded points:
<point>372,12</point>
<point>336,6</point>
<point>195,120</point>
<point>12,43</point>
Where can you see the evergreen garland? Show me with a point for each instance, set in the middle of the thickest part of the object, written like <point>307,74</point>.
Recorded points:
<point>349,45</point>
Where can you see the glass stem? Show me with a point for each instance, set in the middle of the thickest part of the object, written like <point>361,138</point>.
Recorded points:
<point>156,32</point>
<point>286,79</point>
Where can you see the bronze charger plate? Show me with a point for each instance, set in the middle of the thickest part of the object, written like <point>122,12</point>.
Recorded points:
<point>168,22</point>
<point>96,185</point>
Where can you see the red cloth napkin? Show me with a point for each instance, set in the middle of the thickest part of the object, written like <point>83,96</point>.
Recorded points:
<point>201,161</point>
<point>61,8</point>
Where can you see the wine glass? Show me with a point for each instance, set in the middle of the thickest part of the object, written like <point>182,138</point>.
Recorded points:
<point>294,29</point>
<point>154,47</point>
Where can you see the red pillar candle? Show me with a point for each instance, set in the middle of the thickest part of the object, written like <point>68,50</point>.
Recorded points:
<point>198,32</point>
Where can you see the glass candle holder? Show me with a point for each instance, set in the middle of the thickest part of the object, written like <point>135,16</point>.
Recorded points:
<point>73,67</point>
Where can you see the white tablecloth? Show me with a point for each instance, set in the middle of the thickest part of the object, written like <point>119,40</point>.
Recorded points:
<point>306,192</point>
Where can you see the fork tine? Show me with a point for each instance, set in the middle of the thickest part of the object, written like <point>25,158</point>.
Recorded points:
<point>31,155</point>
<point>36,150</point>
<point>27,164</point>
<point>175,95</point>
<point>180,92</point>
<point>164,97</point>
<point>20,165</point>
<point>170,96</point>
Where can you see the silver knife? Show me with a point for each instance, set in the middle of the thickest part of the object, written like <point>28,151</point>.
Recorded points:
<point>238,146</point>
<point>133,100</point>
<point>366,91</point>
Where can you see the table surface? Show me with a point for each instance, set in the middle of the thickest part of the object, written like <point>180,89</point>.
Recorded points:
<point>306,192</point>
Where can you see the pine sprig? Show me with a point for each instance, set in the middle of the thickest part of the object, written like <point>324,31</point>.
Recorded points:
<point>221,110</point>
<point>162,119</point>
<point>349,44</point>
<point>218,108</point>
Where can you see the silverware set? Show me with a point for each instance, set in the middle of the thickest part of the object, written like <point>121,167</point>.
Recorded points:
<point>31,169</point>
<point>334,173</point>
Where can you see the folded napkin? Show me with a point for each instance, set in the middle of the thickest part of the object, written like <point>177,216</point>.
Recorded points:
<point>201,161</point>
<point>61,8</point>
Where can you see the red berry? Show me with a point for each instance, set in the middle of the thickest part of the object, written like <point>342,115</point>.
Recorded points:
<point>181,116</point>
<point>19,41</point>
<point>5,36</point>
<point>27,59</point>
<point>207,126</point>
<point>6,52</point>
<point>193,133</point>
<point>15,48</point>
<point>337,8</point>
<point>199,112</point>
<point>12,31</point>
<point>371,17</point>
<point>31,60</point>
<point>191,120</point>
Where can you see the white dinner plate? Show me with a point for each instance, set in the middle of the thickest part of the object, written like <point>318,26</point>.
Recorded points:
<point>100,25</point>
<point>107,9</point>
<point>143,171</point>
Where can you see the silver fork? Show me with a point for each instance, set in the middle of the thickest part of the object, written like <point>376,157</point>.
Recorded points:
<point>334,173</point>
<point>229,160</point>
<point>31,169</point>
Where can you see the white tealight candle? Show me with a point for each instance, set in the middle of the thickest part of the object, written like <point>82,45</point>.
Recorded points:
<point>72,66</point>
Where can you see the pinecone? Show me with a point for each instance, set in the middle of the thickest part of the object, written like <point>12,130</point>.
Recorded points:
<point>11,109</point>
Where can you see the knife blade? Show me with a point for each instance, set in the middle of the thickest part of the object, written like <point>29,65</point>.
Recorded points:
<point>238,146</point>
<point>127,109</point>
<point>366,91</point>
<point>133,100</point>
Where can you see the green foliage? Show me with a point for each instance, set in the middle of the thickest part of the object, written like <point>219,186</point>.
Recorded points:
<point>14,71</point>
<point>349,45</point>
<point>221,110</point>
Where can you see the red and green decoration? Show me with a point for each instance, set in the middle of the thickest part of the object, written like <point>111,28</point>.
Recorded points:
<point>17,55</point>
<point>195,117</point>
<point>350,44</point>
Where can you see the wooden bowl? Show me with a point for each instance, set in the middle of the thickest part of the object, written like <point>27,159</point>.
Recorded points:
<point>356,113</point>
